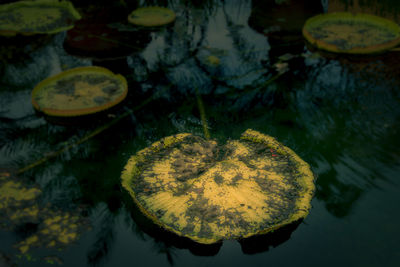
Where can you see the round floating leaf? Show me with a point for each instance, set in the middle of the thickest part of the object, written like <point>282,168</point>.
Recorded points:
<point>151,16</point>
<point>79,91</point>
<point>36,17</point>
<point>209,192</point>
<point>351,33</point>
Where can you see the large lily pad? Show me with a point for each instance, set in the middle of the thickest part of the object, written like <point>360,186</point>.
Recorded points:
<point>209,192</point>
<point>349,33</point>
<point>79,91</point>
<point>36,17</point>
<point>151,16</point>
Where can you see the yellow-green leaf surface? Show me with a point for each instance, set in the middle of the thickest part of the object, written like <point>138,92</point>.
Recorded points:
<point>209,192</point>
<point>36,17</point>
<point>349,33</point>
<point>79,91</point>
<point>151,16</point>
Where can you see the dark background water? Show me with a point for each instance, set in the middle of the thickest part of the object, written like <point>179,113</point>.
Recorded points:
<point>340,114</point>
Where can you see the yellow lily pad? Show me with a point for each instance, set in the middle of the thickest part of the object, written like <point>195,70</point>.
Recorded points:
<point>79,91</point>
<point>152,16</point>
<point>207,192</point>
<point>344,32</point>
<point>36,17</point>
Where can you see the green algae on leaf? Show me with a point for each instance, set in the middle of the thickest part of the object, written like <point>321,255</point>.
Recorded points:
<point>36,17</point>
<point>209,192</point>
<point>79,91</point>
<point>351,33</point>
<point>152,16</point>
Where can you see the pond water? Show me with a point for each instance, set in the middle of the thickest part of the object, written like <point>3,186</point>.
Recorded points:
<point>248,65</point>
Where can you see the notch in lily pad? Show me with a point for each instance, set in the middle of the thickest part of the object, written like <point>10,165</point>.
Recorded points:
<point>349,33</point>
<point>78,92</point>
<point>208,192</point>
<point>152,16</point>
<point>37,17</point>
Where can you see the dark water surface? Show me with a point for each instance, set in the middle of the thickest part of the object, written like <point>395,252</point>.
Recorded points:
<point>249,64</point>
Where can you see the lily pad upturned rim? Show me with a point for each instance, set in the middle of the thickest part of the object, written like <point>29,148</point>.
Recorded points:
<point>154,23</point>
<point>82,111</point>
<point>305,178</point>
<point>388,24</point>
<point>67,5</point>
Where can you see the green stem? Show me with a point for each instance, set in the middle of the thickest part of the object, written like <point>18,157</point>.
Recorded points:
<point>202,115</point>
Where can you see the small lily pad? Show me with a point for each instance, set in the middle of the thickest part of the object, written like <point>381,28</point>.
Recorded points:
<point>349,33</point>
<point>36,17</point>
<point>213,60</point>
<point>207,192</point>
<point>152,16</point>
<point>79,91</point>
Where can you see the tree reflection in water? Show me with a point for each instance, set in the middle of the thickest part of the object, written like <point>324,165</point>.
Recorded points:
<point>340,114</point>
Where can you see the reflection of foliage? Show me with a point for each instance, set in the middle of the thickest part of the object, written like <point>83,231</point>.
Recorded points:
<point>348,125</point>
<point>206,5</point>
<point>214,69</point>
<point>339,196</point>
<point>13,49</point>
<point>384,5</point>
<point>246,50</point>
<point>19,152</point>
<point>180,44</point>
<point>104,236</point>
